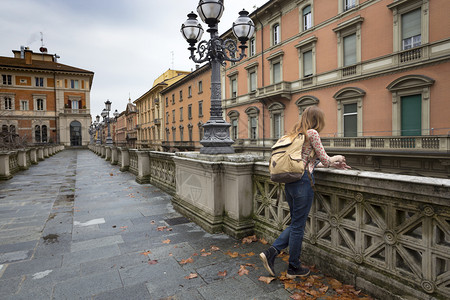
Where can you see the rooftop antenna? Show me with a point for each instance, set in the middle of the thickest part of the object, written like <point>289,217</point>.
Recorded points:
<point>172,59</point>
<point>42,49</point>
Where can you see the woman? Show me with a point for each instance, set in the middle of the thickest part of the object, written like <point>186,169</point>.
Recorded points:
<point>299,194</point>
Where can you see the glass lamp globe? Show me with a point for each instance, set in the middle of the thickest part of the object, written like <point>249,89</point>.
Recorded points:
<point>210,11</point>
<point>191,29</point>
<point>243,27</point>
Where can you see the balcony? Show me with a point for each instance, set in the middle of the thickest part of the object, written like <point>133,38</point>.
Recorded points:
<point>157,121</point>
<point>74,111</point>
<point>277,90</point>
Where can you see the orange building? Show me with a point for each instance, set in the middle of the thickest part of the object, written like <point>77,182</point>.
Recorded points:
<point>126,129</point>
<point>44,101</point>
<point>150,111</point>
<point>376,68</point>
<point>186,108</point>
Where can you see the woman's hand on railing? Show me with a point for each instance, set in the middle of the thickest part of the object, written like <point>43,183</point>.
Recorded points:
<point>341,165</point>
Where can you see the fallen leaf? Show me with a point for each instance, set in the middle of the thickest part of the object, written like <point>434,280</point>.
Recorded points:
<point>242,271</point>
<point>166,241</point>
<point>185,261</point>
<point>232,254</point>
<point>169,229</point>
<point>152,262</point>
<point>250,265</point>
<point>297,296</point>
<point>152,222</point>
<point>263,241</point>
<point>249,239</point>
<point>206,254</point>
<point>170,254</point>
<point>195,254</point>
<point>214,248</point>
<point>146,253</point>
<point>123,227</point>
<point>203,250</point>
<point>250,254</point>
<point>223,274</point>
<point>323,289</point>
<point>290,285</point>
<point>335,284</point>
<point>191,276</point>
<point>161,228</point>
<point>313,293</point>
<point>266,279</point>
<point>111,174</point>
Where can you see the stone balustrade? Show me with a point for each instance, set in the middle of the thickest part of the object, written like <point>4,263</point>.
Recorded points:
<point>14,161</point>
<point>387,234</point>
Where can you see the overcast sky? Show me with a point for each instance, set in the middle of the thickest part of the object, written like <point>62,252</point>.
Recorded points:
<point>126,43</point>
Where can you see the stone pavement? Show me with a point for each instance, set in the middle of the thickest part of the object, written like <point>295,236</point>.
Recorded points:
<point>75,227</point>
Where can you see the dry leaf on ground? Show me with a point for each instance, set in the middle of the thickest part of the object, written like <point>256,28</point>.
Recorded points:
<point>222,274</point>
<point>205,254</point>
<point>166,241</point>
<point>266,279</point>
<point>146,253</point>
<point>263,241</point>
<point>161,228</point>
<point>152,262</point>
<point>249,239</point>
<point>185,261</point>
<point>191,276</point>
<point>297,296</point>
<point>214,248</point>
<point>242,271</point>
<point>232,254</point>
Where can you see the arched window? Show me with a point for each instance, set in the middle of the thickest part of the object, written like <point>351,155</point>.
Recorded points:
<point>350,111</point>
<point>234,121</point>
<point>252,113</point>
<point>305,101</point>
<point>276,119</point>
<point>37,134</point>
<point>200,130</point>
<point>44,133</point>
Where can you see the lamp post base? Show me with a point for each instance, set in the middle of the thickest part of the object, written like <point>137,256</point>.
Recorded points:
<point>216,139</point>
<point>109,141</point>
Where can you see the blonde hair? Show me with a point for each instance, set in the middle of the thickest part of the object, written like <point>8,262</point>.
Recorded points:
<point>312,118</point>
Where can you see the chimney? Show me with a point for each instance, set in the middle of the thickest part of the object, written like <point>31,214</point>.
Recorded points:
<point>28,56</point>
<point>22,52</point>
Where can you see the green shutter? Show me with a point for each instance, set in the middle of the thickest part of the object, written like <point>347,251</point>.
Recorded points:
<point>411,115</point>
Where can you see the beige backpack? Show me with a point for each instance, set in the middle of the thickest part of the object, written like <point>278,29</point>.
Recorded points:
<point>286,164</point>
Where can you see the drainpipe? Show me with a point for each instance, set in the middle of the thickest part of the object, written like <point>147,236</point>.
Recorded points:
<point>262,80</point>
<point>56,109</point>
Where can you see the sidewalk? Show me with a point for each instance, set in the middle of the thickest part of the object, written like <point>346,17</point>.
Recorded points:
<point>75,227</point>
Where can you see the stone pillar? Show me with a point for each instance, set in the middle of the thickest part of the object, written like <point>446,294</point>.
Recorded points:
<point>114,155</point>
<point>124,159</point>
<point>107,153</point>
<point>5,173</point>
<point>216,191</point>
<point>40,153</point>
<point>103,151</point>
<point>33,156</point>
<point>143,167</point>
<point>46,152</point>
<point>22,159</point>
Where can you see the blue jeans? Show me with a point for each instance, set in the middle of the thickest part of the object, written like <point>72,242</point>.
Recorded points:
<point>299,196</point>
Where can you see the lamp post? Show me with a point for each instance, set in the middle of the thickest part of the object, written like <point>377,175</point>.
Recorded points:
<point>97,126</point>
<point>105,115</point>
<point>216,138</point>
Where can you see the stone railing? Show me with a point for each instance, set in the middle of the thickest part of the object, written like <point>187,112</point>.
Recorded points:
<point>387,234</point>
<point>133,161</point>
<point>12,162</point>
<point>384,233</point>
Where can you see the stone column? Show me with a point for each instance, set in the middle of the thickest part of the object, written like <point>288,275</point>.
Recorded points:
<point>103,151</point>
<point>143,167</point>
<point>46,152</point>
<point>40,153</point>
<point>33,156</point>
<point>5,173</point>
<point>216,191</point>
<point>124,159</point>
<point>114,155</point>
<point>22,159</point>
<point>107,153</point>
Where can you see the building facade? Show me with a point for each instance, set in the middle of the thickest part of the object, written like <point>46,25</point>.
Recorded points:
<point>126,129</point>
<point>150,111</point>
<point>186,106</point>
<point>375,67</point>
<point>44,101</point>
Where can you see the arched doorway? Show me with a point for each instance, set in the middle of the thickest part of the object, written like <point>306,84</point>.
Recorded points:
<point>75,133</point>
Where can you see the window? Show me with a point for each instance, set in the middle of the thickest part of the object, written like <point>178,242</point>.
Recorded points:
<point>350,116</point>
<point>39,104</point>
<point>200,87</point>
<point>173,98</point>
<point>252,113</point>
<point>276,34</point>
<point>167,117</point>
<point>234,129</point>
<point>73,84</point>
<point>174,134</point>
<point>200,108</point>
<point>7,79</point>
<point>75,104</point>
<point>350,50</point>
<point>411,29</point>
<point>189,91</point>
<point>307,63</point>
<point>252,81</point>
<point>39,81</point>
<point>167,134</point>
<point>37,134</point>
<point>305,102</point>
<point>181,95</point>
<point>23,104</point>
<point>276,69</point>
<point>8,104</point>
<point>167,101</point>
<point>233,87</point>
<point>276,111</point>
<point>350,111</point>
<point>181,132</point>
<point>190,132</point>
<point>252,47</point>
<point>44,133</point>
<point>348,4</point>
<point>190,111</point>
<point>173,115</point>
<point>201,130</point>
<point>181,114</point>
<point>306,18</point>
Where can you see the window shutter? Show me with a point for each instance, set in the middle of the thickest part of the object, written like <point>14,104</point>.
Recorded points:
<point>307,10</point>
<point>411,24</point>
<point>307,63</point>
<point>350,50</point>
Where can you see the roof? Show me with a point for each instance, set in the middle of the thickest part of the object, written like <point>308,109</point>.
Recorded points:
<point>19,63</point>
<point>200,70</point>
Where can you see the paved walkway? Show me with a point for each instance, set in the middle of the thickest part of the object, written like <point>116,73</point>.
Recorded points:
<point>75,227</point>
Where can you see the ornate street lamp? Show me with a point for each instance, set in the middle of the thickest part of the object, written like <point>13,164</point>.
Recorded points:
<point>105,115</point>
<point>97,126</point>
<point>216,138</point>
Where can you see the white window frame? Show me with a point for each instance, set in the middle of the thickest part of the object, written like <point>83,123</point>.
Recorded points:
<point>7,79</point>
<point>306,45</point>
<point>275,58</point>
<point>252,68</point>
<point>252,47</point>
<point>349,95</point>
<point>41,81</point>
<point>22,106</point>
<point>74,84</point>
<point>276,34</point>
<point>35,102</point>
<point>253,112</point>
<point>347,28</point>
<point>343,7</point>
<point>276,108</point>
<point>234,116</point>
<point>11,101</point>
<point>303,25</point>
<point>305,102</point>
